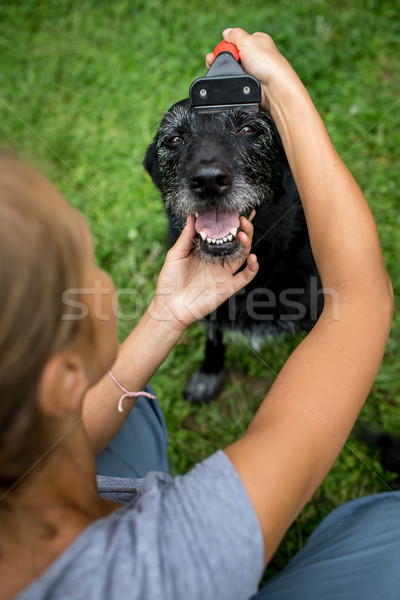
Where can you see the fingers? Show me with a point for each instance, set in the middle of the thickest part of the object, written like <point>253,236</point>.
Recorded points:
<point>251,269</point>
<point>209,59</point>
<point>243,278</point>
<point>252,215</point>
<point>245,235</point>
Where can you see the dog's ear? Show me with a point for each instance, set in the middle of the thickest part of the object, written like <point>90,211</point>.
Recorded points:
<point>150,163</point>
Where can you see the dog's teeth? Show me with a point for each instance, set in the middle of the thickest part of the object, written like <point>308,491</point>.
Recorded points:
<point>196,214</point>
<point>203,236</point>
<point>225,239</point>
<point>208,240</point>
<point>229,238</point>
<point>233,231</point>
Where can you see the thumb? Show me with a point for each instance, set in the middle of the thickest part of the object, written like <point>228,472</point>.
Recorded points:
<point>235,36</point>
<point>184,243</point>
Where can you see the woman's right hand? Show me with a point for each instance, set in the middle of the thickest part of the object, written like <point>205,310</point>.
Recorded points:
<point>260,57</point>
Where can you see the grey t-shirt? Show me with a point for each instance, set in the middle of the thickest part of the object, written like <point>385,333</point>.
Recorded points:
<point>189,537</point>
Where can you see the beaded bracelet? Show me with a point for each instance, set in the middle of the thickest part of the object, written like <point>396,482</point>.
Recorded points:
<point>127,394</point>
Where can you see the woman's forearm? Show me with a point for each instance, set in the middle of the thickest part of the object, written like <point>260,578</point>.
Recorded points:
<point>139,356</point>
<point>342,230</point>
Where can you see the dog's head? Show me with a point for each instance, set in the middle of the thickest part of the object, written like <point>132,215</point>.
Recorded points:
<point>217,166</point>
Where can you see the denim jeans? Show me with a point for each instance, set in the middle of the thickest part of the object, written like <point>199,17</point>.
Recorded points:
<point>140,445</point>
<point>354,554</point>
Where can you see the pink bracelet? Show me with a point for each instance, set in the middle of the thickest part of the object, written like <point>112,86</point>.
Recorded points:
<point>127,394</point>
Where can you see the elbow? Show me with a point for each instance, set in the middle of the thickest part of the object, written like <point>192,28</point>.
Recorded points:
<point>382,308</point>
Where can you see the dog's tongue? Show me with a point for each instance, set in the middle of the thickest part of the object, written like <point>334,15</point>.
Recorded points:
<point>216,224</point>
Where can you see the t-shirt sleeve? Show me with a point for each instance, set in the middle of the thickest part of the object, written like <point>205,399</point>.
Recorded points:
<point>206,531</point>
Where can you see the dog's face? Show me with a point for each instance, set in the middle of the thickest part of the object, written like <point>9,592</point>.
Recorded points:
<point>217,166</point>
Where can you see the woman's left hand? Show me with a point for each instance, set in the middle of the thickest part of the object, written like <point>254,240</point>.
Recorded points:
<point>188,289</point>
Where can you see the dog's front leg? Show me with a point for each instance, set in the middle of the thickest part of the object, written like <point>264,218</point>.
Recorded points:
<point>205,383</point>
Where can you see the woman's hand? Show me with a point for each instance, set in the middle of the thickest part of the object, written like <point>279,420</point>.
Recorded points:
<point>188,289</point>
<point>260,57</point>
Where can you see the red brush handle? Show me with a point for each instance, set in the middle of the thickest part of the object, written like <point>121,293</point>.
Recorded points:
<point>226,47</point>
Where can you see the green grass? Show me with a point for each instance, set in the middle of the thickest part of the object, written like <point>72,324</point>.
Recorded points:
<point>83,86</point>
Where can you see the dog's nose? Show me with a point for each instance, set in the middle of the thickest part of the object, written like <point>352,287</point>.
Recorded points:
<point>210,179</point>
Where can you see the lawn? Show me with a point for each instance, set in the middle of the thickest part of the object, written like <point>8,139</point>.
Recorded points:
<point>83,86</point>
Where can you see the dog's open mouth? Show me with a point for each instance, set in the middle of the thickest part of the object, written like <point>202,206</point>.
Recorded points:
<point>217,229</point>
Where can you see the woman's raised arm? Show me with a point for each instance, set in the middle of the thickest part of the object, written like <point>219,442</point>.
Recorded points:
<point>310,410</point>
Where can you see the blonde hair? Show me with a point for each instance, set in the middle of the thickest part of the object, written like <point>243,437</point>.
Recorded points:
<point>39,259</point>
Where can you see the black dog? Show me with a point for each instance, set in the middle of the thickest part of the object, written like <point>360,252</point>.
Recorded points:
<point>218,167</point>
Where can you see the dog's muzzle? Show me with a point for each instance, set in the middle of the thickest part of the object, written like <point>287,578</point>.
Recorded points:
<point>217,227</point>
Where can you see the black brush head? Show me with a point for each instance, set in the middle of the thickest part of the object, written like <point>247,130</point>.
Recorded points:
<point>226,85</point>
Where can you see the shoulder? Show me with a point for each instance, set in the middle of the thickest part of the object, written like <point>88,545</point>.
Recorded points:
<point>194,535</point>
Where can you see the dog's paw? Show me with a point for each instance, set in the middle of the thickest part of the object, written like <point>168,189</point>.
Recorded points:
<point>203,387</point>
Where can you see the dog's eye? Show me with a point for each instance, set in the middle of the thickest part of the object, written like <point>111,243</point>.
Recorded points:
<point>246,129</point>
<point>176,139</point>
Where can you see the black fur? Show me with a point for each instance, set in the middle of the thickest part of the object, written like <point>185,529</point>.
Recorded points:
<point>234,161</point>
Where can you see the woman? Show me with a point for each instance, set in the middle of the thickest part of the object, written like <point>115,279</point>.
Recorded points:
<point>207,534</point>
